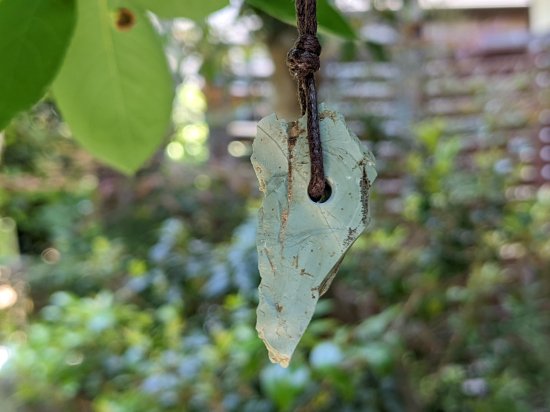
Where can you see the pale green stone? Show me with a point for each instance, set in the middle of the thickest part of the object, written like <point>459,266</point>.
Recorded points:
<point>301,243</point>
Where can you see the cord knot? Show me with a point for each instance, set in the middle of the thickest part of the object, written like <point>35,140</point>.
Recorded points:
<point>303,59</point>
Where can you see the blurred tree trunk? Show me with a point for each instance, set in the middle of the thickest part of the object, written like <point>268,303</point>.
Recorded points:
<point>409,58</point>
<point>279,38</point>
<point>285,96</point>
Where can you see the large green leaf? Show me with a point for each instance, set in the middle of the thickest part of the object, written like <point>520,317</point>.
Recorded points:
<point>34,35</point>
<point>330,20</point>
<point>193,9</point>
<point>115,90</point>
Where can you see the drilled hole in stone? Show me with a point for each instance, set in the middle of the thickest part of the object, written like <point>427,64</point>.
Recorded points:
<point>325,196</point>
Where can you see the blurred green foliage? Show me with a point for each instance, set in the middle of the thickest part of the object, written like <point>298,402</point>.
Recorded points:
<point>139,294</point>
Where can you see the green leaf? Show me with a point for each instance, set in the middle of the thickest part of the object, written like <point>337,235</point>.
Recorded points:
<point>333,22</point>
<point>34,35</point>
<point>329,19</point>
<point>115,90</point>
<point>192,9</point>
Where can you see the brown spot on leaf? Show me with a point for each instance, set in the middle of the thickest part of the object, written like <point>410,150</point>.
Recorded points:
<point>125,19</point>
<point>279,307</point>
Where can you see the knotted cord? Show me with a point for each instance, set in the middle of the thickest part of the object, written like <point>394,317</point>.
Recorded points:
<point>303,62</point>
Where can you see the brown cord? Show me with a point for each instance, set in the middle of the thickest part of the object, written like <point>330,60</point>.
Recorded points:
<point>303,62</point>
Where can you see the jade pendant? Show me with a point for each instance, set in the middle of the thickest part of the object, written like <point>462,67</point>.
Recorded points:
<point>301,242</point>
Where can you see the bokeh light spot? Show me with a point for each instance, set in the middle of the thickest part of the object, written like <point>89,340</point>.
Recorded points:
<point>4,356</point>
<point>194,133</point>
<point>202,182</point>
<point>8,296</point>
<point>175,150</point>
<point>237,149</point>
<point>51,255</point>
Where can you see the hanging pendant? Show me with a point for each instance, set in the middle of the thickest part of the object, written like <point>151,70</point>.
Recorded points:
<point>301,242</point>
